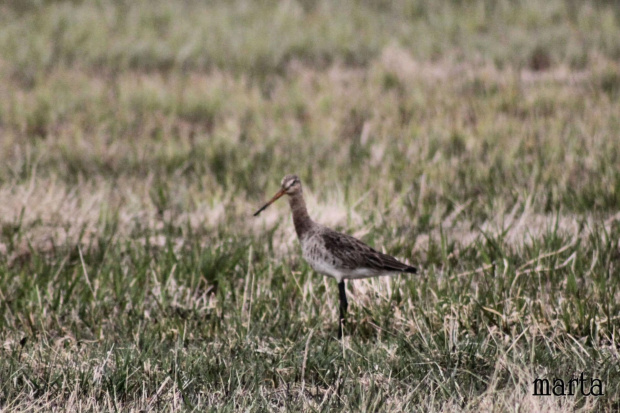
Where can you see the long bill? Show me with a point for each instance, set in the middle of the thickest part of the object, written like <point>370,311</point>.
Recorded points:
<point>271,201</point>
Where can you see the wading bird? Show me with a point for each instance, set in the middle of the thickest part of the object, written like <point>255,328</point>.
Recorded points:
<point>332,253</point>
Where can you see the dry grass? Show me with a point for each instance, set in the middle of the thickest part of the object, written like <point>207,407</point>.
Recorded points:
<point>137,139</point>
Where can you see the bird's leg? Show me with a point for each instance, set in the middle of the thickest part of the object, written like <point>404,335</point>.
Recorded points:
<point>343,307</point>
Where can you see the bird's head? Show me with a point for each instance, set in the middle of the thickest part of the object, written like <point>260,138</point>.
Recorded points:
<point>291,185</point>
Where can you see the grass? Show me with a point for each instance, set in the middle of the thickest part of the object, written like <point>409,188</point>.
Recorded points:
<point>476,140</point>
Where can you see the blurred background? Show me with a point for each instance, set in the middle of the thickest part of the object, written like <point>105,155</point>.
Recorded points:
<point>197,106</point>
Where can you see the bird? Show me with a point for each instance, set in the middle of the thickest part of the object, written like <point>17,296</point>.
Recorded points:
<point>333,253</point>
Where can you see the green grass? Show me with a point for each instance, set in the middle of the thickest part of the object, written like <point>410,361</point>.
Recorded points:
<point>476,140</point>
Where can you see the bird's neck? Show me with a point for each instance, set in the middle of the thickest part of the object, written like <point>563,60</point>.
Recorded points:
<point>301,219</point>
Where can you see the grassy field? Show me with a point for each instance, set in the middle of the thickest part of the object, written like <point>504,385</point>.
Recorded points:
<point>477,140</point>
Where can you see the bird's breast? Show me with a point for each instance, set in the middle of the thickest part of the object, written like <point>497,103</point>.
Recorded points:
<point>315,254</point>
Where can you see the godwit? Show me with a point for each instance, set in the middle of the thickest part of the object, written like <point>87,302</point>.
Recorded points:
<point>332,253</point>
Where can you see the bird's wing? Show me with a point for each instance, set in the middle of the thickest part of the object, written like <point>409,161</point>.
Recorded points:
<point>353,254</point>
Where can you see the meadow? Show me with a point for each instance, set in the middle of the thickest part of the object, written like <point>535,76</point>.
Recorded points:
<point>477,140</point>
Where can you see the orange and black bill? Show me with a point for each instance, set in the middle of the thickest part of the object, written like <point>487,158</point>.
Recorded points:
<point>271,201</point>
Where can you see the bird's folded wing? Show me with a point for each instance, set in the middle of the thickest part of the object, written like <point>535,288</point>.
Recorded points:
<point>354,254</point>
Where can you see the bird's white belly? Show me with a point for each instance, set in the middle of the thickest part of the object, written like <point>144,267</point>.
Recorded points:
<point>323,267</point>
<point>326,269</point>
<point>340,274</point>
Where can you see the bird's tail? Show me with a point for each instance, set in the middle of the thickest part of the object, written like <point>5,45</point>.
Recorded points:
<point>411,270</point>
